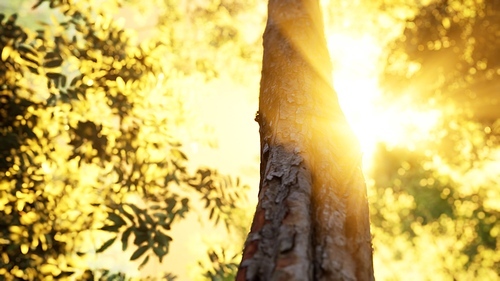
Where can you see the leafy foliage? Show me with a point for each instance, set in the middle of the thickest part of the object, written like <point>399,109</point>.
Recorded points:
<point>88,144</point>
<point>446,60</point>
<point>222,267</point>
<point>416,197</point>
<point>447,53</point>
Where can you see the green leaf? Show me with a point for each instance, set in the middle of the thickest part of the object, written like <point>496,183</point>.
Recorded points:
<point>106,245</point>
<point>217,219</point>
<point>139,252</point>
<point>144,262</point>
<point>136,209</point>
<point>171,202</point>
<point>111,228</point>
<point>142,223</point>
<point>27,49</point>
<point>31,59</point>
<point>162,238</point>
<point>159,252</point>
<point>54,75</point>
<point>64,274</point>
<point>33,70</point>
<point>116,219</point>
<point>213,256</point>
<point>211,213</point>
<point>160,216</point>
<point>149,219</point>
<point>63,81</point>
<point>125,236</point>
<point>127,214</point>
<point>140,237</point>
<point>37,4</point>
<point>53,63</point>
<point>75,80</point>
<point>165,225</point>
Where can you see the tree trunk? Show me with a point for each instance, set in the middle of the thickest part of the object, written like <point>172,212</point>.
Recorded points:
<point>311,221</point>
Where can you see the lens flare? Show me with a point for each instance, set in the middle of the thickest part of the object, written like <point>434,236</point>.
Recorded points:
<point>373,118</point>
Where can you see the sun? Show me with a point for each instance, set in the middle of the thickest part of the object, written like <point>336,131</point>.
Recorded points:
<point>373,118</point>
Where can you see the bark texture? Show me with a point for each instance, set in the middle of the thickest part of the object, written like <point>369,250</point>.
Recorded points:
<point>311,221</point>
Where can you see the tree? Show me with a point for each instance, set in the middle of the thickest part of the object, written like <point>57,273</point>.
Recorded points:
<point>442,192</point>
<point>311,221</point>
<point>88,146</point>
<point>450,55</point>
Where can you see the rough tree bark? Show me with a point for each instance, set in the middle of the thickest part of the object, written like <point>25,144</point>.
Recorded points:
<point>311,221</point>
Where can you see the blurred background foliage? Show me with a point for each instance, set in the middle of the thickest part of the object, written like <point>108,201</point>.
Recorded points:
<point>95,127</point>
<point>88,141</point>
<point>444,192</point>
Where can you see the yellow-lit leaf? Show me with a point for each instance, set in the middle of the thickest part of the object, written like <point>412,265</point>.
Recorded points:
<point>28,218</point>
<point>50,269</point>
<point>17,272</point>
<point>121,83</point>
<point>15,229</point>
<point>6,52</point>
<point>24,249</point>
<point>5,258</point>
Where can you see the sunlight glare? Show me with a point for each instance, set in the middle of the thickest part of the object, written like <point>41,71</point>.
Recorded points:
<point>373,119</point>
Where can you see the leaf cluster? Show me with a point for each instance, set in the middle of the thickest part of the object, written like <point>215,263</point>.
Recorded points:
<point>413,193</point>
<point>222,266</point>
<point>87,144</point>
<point>447,52</point>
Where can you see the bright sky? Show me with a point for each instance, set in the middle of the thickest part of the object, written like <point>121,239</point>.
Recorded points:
<point>355,78</point>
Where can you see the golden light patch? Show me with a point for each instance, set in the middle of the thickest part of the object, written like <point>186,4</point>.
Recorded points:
<point>373,119</point>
